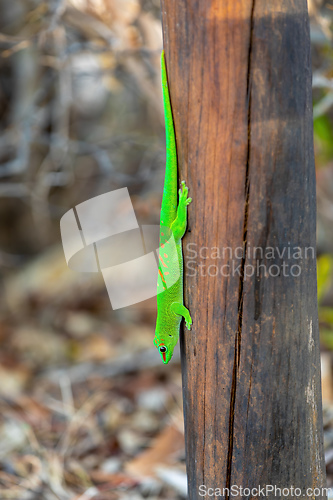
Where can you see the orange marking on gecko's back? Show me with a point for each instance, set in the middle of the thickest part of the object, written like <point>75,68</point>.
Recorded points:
<point>166,273</point>
<point>165,255</point>
<point>163,262</point>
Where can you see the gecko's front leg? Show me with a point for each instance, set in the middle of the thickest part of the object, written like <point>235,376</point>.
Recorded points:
<point>181,310</point>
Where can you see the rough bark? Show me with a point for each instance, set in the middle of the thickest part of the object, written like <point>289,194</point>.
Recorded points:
<point>240,83</point>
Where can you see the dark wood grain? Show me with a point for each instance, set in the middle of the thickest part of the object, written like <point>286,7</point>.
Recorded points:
<point>240,82</point>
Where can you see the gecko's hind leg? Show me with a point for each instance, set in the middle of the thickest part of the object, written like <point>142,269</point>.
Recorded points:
<point>178,227</point>
<point>181,310</point>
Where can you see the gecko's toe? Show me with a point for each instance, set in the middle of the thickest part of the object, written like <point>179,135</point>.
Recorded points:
<point>189,324</point>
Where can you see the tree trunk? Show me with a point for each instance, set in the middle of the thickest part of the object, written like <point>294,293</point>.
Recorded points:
<point>240,82</point>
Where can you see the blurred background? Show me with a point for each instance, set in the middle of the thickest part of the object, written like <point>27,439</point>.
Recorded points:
<point>87,409</point>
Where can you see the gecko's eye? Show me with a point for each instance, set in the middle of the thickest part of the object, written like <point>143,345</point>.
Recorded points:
<point>162,349</point>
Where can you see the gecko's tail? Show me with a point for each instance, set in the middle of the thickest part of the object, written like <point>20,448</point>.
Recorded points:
<point>169,201</point>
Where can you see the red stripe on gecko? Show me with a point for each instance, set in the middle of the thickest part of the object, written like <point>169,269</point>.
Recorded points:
<point>161,275</point>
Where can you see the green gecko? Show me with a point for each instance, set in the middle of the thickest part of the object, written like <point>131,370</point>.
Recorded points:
<point>170,301</point>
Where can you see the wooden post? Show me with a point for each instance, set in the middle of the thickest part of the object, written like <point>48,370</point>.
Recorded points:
<point>240,82</point>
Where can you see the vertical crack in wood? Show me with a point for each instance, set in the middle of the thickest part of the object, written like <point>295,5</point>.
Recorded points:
<point>238,336</point>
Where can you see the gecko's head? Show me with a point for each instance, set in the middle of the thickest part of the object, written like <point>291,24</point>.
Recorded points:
<point>165,350</point>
